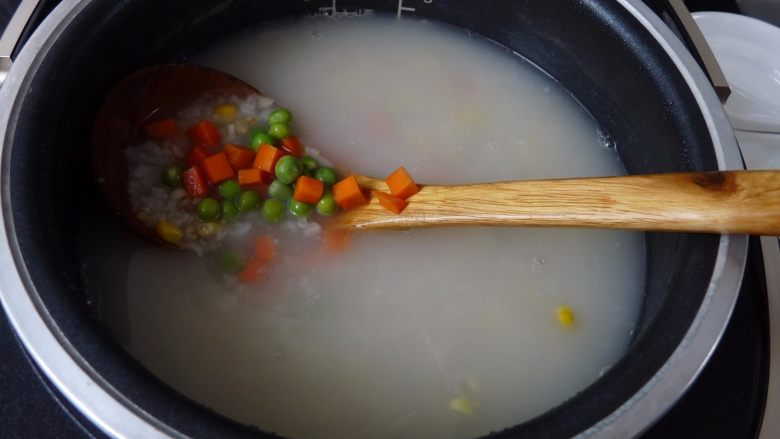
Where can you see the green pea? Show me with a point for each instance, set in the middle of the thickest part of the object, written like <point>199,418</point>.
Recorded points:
<point>273,210</point>
<point>231,261</point>
<point>279,130</point>
<point>299,209</point>
<point>326,175</point>
<point>229,210</point>
<point>288,169</point>
<point>172,176</point>
<point>280,191</point>
<point>327,205</point>
<point>208,209</point>
<point>309,164</point>
<point>259,137</point>
<point>255,131</point>
<point>248,200</point>
<point>280,115</point>
<point>229,189</point>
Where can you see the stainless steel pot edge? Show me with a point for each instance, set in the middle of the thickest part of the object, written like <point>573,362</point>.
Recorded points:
<point>120,418</point>
<point>687,361</point>
<point>12,32</point>
<point>61,363</point>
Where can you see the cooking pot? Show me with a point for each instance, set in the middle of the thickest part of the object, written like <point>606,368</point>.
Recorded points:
<point>617,58</point>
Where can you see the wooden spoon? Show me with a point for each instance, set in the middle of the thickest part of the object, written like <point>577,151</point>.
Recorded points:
<point>714,202</point>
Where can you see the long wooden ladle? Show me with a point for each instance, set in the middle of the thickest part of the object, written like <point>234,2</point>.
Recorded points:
<point>712,202</point>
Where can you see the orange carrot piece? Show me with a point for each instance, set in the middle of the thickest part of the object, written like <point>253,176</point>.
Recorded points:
<point>217,168</point>
<point>265,248</point>
<point>162,130</point>
<point>308,190</point>
<point>401,184</point>
<point>197,154</point>
<point>253,271</point>
<point>335,240</point>
<point>194,182</point>
<point>390,202</point>
<point>239,158</point>
<point>249,177</point>
<point>293,146</point>
<point>348,194</point>
<point>205,132</point>
<point>266,158</point>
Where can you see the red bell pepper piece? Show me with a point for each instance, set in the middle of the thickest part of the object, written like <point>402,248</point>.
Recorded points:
<point>293,146</point>
<point>162,130</point>
<point>197,154</point>
<point>194,182</point>
<point>205,132</point>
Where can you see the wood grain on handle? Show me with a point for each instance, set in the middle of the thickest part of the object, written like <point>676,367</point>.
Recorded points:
<point>713,202</point>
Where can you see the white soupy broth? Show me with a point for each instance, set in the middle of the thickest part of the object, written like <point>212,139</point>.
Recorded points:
<point>427,333</point>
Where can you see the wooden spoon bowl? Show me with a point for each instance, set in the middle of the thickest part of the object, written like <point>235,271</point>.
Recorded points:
<point>154,92</point>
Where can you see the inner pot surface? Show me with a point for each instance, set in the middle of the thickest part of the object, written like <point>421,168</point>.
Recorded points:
<point>597,50</point>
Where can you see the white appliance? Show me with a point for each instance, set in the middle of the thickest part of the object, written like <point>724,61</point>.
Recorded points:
<point>748,51</point>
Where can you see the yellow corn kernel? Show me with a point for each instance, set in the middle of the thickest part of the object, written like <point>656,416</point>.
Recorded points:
<point>225,112</point>
<point>169,232</point>
<point>565,316</point>
<point>462,405</point>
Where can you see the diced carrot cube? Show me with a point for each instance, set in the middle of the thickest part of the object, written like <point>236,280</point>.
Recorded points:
<point>197,154</point>
<point>348,194</point>
<point>205,132</point>
<point>162,130</point>
<point>265,248</point>
<point>239,158</point>
<point>335,240</point>
<point>194,182</point>
<point>308,190</point>
<point>218,168</point>
<point>266,158</point>
<point>253,271</point>
<point>390,202</point>
<point>251,176</point>
<point>293,146</point>
<point>401,184</point>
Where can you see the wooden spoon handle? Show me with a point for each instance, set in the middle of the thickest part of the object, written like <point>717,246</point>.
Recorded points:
<point>714,202</point>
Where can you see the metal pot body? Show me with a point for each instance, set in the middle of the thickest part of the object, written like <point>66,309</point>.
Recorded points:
<point>625,67</point>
